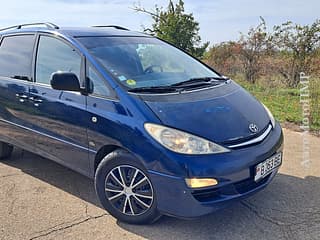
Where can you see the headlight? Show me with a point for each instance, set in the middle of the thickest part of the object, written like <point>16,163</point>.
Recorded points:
<point>273,121</point>
<point>182,142</point>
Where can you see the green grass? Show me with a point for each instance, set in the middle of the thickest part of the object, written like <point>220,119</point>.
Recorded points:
<point>284,103</point>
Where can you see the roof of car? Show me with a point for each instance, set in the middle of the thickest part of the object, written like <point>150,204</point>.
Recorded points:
<point>98,31</point>
<point>109,30</point>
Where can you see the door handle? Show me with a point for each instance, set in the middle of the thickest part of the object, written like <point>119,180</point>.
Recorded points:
<point>22,97</point>
<point>37,102</point>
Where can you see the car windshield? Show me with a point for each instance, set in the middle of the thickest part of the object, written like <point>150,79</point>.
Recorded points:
<point>145,62</point>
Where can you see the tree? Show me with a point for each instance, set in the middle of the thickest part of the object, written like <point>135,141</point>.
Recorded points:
<point>176,26</point>
<point>224,57</point>
<point>298,46</point>
<point>254,45</point>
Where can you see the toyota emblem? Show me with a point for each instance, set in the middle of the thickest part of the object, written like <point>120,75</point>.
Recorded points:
<point>253,128</point>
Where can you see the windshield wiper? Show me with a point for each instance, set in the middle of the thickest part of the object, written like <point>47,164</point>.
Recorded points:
<point>201,81</point>
<point>155,89</point>
<point>180,86</point>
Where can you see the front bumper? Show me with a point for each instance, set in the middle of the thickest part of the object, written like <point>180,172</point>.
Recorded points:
<point>234,171</point>
<point>175,199</point>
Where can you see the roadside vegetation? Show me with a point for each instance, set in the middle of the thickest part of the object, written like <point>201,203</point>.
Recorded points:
<point>266,63</point>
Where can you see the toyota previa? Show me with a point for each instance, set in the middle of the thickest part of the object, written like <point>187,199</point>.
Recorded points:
<point>160,132</point>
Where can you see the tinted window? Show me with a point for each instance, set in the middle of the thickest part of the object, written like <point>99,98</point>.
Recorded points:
<point>99,84</point>
<point>55,55</point>
<point>16,56</point>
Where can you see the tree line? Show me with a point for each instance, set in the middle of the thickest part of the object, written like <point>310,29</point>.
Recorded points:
<point>281,54</point>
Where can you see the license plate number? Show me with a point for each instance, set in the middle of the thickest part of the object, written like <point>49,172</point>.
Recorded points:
<point>264,168</point>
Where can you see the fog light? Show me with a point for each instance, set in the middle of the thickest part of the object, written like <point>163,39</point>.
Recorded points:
<point>201,182</point>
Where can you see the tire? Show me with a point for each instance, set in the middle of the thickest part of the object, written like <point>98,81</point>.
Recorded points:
<point>136,203</point>
<point>5,150</point>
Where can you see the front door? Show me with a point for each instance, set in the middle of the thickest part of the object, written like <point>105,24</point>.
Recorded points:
<point>61,118</point>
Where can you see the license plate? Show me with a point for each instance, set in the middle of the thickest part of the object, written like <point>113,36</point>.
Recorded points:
<point>266,167</point>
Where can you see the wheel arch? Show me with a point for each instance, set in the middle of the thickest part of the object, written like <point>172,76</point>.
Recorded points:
<point>107,149</point>
<point>104,151</point>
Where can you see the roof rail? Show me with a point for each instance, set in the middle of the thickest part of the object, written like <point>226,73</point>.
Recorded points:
<point>112,26</point>
<point>46,24</point>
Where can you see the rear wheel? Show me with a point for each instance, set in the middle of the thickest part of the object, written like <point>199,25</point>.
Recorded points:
<point>5,150</point>
<point>125,190</point>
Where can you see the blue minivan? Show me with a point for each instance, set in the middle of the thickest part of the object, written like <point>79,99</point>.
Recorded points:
<point>160,132</point>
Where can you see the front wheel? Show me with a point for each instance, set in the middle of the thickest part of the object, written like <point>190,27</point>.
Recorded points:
<point>125,190</point>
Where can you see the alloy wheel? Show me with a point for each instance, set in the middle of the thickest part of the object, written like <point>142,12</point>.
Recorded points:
<point>129,190</point>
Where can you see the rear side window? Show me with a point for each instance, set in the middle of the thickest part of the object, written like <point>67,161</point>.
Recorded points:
<point>55,55</point>
<point>16,56</point>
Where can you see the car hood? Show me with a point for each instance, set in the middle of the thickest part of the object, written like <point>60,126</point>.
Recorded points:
<point>222,114</point>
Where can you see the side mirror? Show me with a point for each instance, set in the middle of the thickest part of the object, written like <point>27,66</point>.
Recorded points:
<point>65,81</point>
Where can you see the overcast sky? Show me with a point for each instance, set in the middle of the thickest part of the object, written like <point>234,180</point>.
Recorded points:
<point>220,20</point>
